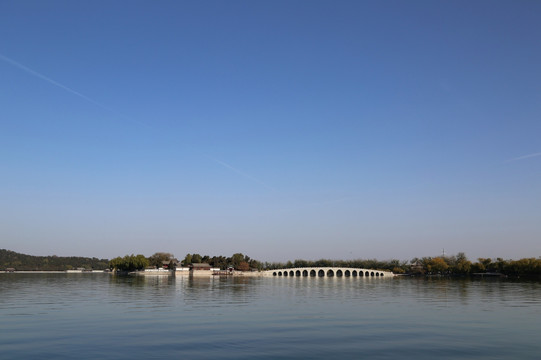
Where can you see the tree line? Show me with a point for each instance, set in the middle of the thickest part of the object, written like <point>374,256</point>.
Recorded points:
<point>454,265</point>
<point>238,261</point>
<point>460,265</point>
<point>23,262</point>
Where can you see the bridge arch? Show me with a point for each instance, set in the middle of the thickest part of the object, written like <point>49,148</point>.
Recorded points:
<point>330,273</point>
<point>327,272</point>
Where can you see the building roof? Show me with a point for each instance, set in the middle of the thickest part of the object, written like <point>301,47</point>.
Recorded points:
<point>200,266</point>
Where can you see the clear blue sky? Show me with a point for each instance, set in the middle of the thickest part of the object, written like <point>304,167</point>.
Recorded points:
<point>280,129</point>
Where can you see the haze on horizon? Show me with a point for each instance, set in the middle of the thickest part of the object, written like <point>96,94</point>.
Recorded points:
<point>279,129</point>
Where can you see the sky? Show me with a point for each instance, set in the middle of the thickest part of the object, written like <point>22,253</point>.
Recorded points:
<point>280,129</point>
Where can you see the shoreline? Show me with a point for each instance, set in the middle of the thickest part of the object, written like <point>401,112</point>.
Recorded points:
<point>57,272</point>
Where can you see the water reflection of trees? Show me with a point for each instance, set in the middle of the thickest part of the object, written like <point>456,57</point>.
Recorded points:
<point>441,291</point>
<point>158,291</point>
<point>216,290</point>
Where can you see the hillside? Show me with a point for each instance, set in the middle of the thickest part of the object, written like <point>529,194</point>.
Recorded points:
<point>12,259</point>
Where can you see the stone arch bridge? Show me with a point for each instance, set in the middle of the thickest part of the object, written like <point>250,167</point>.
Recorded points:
<point>327,272</point>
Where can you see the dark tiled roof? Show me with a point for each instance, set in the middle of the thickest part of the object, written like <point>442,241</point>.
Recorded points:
<point>202,265</point>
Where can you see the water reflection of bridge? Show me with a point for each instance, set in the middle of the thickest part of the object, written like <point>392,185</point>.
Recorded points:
<point>328,272</point>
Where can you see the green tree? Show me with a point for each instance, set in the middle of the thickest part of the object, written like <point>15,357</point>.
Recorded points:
<point>140,262</point>
<point>501,265</point>
<point>482,265</point>
<point>158,258</point>
<point>256,264</point>
<point>219,262</point>
<point>187,260</point>
<point>439,265</point>
<point>323,263</point>
<point>463,266</point>
<point>487,263</point>
<point>236,259</point>
<point>129,263</point>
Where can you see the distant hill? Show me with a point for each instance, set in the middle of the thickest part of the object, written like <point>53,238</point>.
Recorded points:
<point>11,259</point>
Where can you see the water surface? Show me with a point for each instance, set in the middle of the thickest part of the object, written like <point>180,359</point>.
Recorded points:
<point>89,316</point>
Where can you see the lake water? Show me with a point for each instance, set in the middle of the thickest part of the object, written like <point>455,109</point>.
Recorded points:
<point>100,316</point>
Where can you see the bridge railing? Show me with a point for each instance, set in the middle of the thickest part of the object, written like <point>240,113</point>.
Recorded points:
<point>328,272</point>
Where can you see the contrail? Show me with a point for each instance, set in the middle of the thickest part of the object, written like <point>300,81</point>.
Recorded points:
<point>82,96</point>
<point>248,176</point>
<point>51,81</point>
<point>525,157</point>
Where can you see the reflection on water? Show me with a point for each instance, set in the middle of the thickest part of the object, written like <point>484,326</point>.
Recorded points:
<point>100,315</point>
